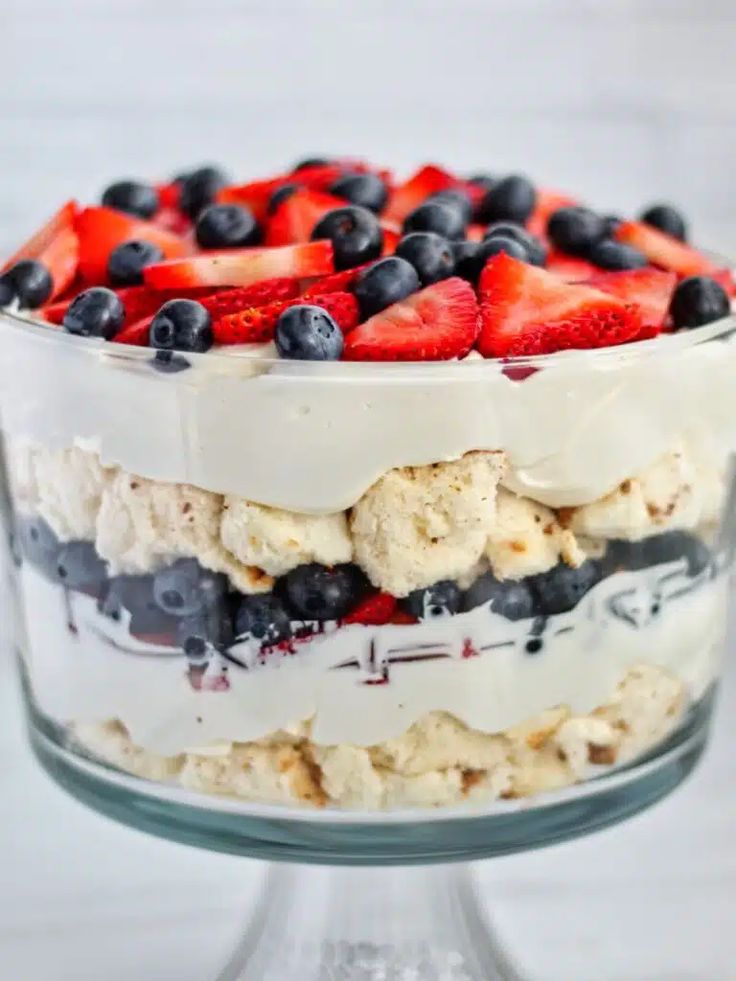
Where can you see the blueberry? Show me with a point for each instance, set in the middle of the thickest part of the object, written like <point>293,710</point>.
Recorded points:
<point>366,190</point>
<point>212,627</point>
<point>508,598</point>
<point>611,222</point>
<point>456,198</point>
<point>198,189</point>
<point>466,259</point>
<point>263,617</point>
<point>7,291</point>
<point>308,333</point>
<point>226,226</point>
<point>562,588</point>
<point>436,216</point>
<point>501,243</point>
<point>310,162</point>
<point>96,312</point>
<point>666,219</point>
<point>437,600</point>
<point>698,300</point>
<point>511,199</point>
<point>132,197</point>
<point>80,567</point>
<point>186,588</point>
<point>169,363</point>
<point>385,282</point>
<point>355,234</point>
<point>430,254</point>
<point>575,230</point>
<point>30,282</point>
<point>135,594</point>
<point>318,592</point>
<point>609,254</point>
<point>509,229</point>
<point>38,545</point>
<point>128,260</point>
<point>281,194</point>
<point>181,325</point>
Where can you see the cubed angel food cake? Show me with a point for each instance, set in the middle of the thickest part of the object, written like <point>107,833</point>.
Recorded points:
<point>336,490</point>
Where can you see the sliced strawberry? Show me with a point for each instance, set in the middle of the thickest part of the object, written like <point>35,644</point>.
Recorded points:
<point>169,194</point>
<point>373,611</point>
<point>254,195</point>
<point>336,283</point>
<point>56,246</point>
<point>570,267</point>
<point>101,229</point>
<point>548,201</point>
<point>226,301</point>
<point>650,289</point>
<point>243,267</point>
<point>136,333</point>
<point>391,236</point>
<point>403,617</point>
<point>295,218</point>
<point>257,324</point>
<point>527,311</point>
<point>476,233</point>
<point>670,253</point>
<point>437,323</point>
<point>404,198</point>
<point>60,220</point>
<point>172,220</point>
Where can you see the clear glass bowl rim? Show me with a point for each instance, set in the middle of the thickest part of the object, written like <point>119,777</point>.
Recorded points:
<point>218,362</point>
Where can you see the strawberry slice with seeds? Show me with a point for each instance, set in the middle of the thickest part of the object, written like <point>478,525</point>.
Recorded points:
<point>243,267</point>
<point>169,194</point>
<point>257,324</point>
<point>226,301</point>
<point>526,311</point>
<point>373,611</point>
<point>101,229</point>
<point>570,267</point>
<point>56,246</point>
<point>336,283</point>
<point>319,177</point>
<point>254,195</point>
<point>649,288</point>
<point>404,198</point>
<point>296,217</point>
<point>437,323</point>
<point>670,253</point>
<point>136,333</point>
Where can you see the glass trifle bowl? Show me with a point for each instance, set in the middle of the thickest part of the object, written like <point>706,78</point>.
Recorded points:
<point>368,614</point>
<point>356,521</point>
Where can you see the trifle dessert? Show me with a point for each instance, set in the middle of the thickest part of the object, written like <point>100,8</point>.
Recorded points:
<point>338,490</point>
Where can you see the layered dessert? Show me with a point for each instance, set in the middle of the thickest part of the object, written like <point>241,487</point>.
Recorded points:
<point>335,490</point>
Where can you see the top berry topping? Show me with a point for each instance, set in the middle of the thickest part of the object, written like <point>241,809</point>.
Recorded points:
<point>336,259</point>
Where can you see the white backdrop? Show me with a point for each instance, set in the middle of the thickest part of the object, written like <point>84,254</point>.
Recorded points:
<point>622,101</point>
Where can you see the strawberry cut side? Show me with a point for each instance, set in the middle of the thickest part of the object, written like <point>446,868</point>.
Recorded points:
<point>101,229</point>
<point>296,217</point>
<point>256,325</point>
<point>373,611</point>
<point>435,324</point>
<point>243,267</point>
<point>527,311</point>
<point>227,301</point>
<point>670,253</point>
<point>570,267</point>
<point>255,195</point>
<point>136,333</point>
<point>336,283</point>
<point>56,246</point>
<point>404,198</point>
<point>649,288</point>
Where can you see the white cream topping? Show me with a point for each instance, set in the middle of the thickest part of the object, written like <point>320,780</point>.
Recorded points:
<point>364,685</point>
<point>314,437</point>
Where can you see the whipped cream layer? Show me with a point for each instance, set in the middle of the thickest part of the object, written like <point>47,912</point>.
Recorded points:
<point>313,437</point>
<point>364,685</point>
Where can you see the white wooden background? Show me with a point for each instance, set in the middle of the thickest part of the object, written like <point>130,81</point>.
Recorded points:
<point>623,101</point>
